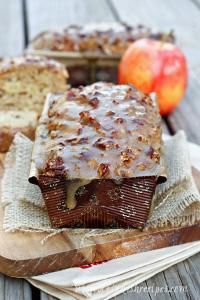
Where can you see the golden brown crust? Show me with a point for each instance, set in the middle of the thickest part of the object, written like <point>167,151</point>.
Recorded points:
<point>106,38</point>
<point>14,63</point>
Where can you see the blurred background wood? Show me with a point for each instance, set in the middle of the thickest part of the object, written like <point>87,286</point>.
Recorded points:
<point>20,20</point>
<point>11,27</point>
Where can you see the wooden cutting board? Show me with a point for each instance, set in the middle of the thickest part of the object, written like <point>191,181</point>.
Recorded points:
<point>22,254</point>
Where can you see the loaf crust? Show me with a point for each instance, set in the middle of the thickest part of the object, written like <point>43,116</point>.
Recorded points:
<point>98,156</point>
<point>25,81</point>
<point>101,124</point>
<point>99,38</point>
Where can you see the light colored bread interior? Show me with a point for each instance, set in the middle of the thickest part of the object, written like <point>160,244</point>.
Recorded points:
<point>26,87</point>
<point>18,119</point>
<point>12,122</point>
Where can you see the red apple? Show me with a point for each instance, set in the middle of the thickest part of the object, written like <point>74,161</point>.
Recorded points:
<point>156,66</point>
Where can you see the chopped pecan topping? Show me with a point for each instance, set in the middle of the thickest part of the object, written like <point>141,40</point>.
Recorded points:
<point>105,144</point>
<point>143,139</point>
<point>58,114</point>
<point>82,98</point>
<point>154,155</point>
<point>103,170</point>
<point>53,134</point>
<point>79,130</point>
<point>86,119</point>
<point>141,166</point>
<point>115,102</point>
<point>62,126</point>
<point>119,120</point>
<point>115,134</point>
<point>52,126</point>
<point>97,94</point>
<point>147,100</point>
<point>62,144</point>
<point>110,113</point>
<point>55,167</point>
<point>94,102</point>
<point>77,140</point>
<point>51,113</point>
<point>127,156</point>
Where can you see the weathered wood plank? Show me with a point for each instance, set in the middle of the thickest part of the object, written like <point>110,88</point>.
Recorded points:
<point>14,289</point>
<point>2,279</point>
<point>164,15</point>
<point>44,296</point>
<point>61,13</point>
<point>158,287</point>
<point>11,27</point>
<point>187,115</point>
<point>11,43</point>
<point>176,288</point>
<point>190,277</point>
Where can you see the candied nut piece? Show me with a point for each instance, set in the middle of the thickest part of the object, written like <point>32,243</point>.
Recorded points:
<point>77,140</point>
<point>127,156</point>
<point>86,119</point>
<point>154,155</point>
<point>55,166</point>
<point>105,144</point>
<point>110,113</point>
<point>53,134</point>
<point>103,170</point>
<point>98,38</point>
<point>119,120</point>
<point>141,166</point>
<point>94,102</point>
<point>142,138</point>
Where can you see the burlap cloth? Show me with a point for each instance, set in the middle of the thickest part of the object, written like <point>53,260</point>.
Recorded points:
<point>177,201</point>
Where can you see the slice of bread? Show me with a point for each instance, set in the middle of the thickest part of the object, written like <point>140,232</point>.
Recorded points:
<point>25,82</point>
<point>12,122</point>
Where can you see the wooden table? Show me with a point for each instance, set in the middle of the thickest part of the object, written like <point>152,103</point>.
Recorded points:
<point>21,20</point>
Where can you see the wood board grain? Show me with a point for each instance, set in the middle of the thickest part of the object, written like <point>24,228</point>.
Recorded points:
<point>64,13</point>
<point>11,28</point>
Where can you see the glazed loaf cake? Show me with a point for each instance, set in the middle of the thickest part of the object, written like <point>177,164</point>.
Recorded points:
<point>100,38</point>
<point>98,156</point>
<point>25,82</point>
<point>12,122</point>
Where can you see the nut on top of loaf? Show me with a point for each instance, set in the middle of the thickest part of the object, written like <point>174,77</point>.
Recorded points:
<point>100,38</point>
<point>12,63</point>
<point>25,81</point>
<point>99,131</point>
